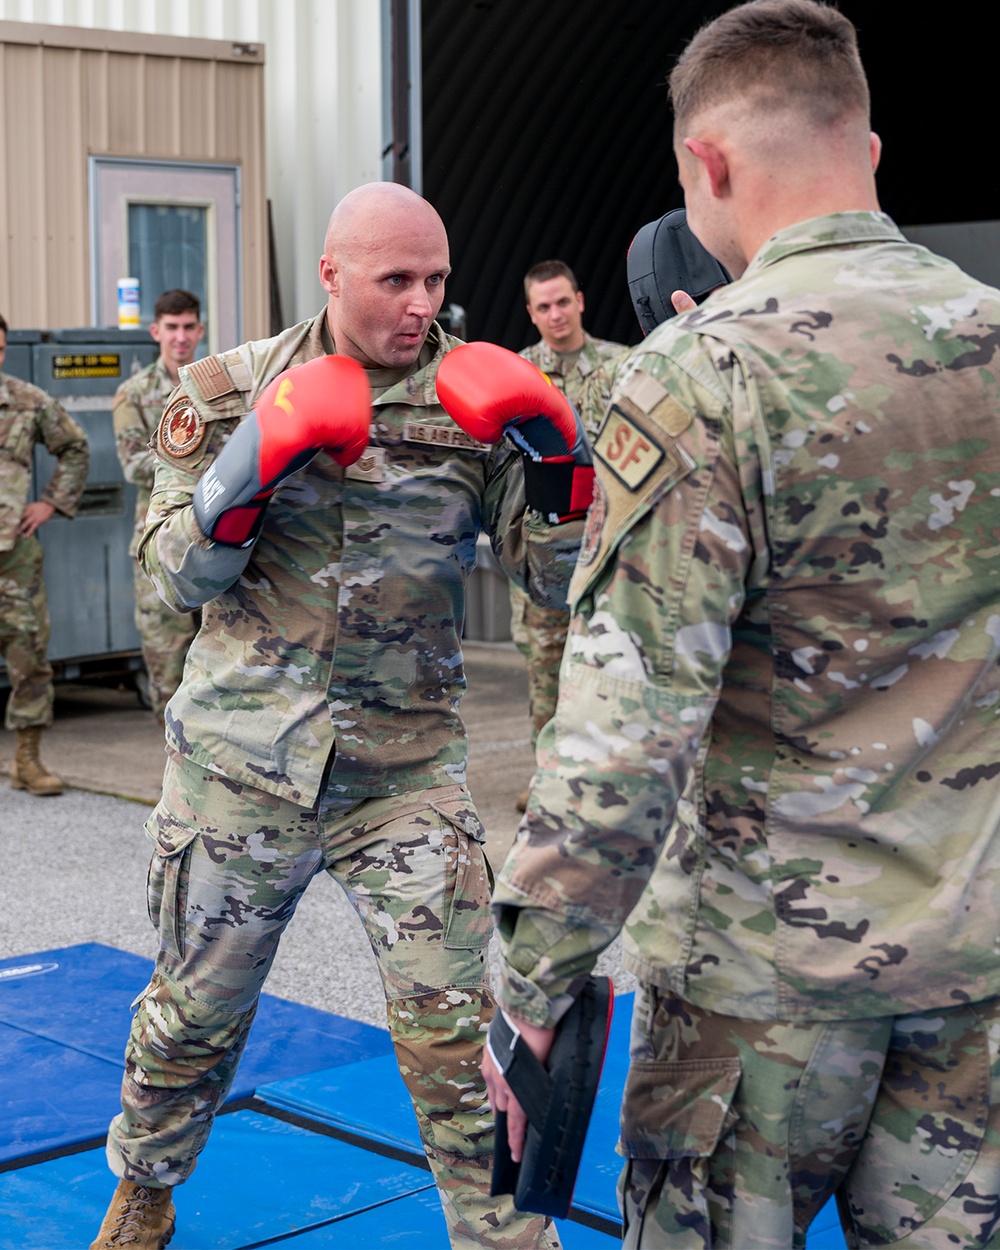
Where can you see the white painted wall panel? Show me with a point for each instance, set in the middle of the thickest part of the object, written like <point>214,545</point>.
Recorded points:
<point>323,101</point>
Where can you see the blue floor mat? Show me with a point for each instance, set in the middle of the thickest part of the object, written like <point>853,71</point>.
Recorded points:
<point>825,1232</point>
<point>257,1179</point>
<point>370,1099</point>
<point>77,1002</point>
<point>51,1095</point>
<point>64,1018</point>
<point>416,1222</point>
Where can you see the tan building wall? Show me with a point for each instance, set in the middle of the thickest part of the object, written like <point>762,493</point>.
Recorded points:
<point>326,108</point>
<point>69,93</point>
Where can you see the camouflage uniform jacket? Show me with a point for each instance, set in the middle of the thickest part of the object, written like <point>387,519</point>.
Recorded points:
<point>788,595</point>
<point>571,381</point>
<point>333,659</point>
<point>29,416</point>
<point>137,408</point>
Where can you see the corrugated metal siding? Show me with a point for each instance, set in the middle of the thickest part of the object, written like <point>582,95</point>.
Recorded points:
<point>547,132</point>
<point>63,104</point>
<point>323,108</point>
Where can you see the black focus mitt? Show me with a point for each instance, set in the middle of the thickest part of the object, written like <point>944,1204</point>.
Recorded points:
<point>557,1099</point>
<point>665,257</point>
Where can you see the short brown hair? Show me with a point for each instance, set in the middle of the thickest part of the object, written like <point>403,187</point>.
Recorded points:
<point>3,325</point>
<point>545,271</point>
<point>783,52</point>
<point>173,303</point>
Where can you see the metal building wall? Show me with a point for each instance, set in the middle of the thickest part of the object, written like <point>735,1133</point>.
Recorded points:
<point>547,132</point>
<point>322,101</point>
<point>69,93</point>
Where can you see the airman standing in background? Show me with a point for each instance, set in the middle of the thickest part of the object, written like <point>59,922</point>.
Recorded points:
<point>27,417</point>
<point>569,356</point>
<point>138,405</point>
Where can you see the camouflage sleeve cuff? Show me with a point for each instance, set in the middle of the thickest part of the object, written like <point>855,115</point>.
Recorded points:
<point>65,507</point>
<point>544,956</point>
<point>552,554</point>
<point>196,569</point>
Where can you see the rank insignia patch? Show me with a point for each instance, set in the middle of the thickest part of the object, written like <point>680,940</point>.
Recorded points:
<point>369,467</point>
<point>181,431</point>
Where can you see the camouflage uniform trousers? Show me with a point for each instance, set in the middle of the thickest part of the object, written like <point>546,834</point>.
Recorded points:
<point>229,865</point>
<point>736,1132</point>
<point>165,636</point>
<point>540,635</point>
<point>24,636</point>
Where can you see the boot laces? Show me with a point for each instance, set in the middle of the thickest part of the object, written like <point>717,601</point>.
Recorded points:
<point>132,1219</point>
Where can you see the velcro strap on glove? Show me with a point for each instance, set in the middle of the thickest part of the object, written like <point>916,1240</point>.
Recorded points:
<point>558,479</point>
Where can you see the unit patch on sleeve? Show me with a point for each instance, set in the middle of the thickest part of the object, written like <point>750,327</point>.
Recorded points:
<point>629,452</point>
<point>181,431</point>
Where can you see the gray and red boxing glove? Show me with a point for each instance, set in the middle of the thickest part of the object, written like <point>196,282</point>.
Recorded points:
<point>323,405</point>
<point>494,393</point>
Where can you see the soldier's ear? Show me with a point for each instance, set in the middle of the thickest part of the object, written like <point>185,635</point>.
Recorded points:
<point>329,275</point>
<point>874,150</point>
<point>713,162</point>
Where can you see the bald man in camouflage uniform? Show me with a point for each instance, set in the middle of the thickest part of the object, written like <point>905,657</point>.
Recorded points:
<point>28,417</point>
<point>318,727</point>
<point>572,358</point>
<point>138,406</point>
<point>776,752</point>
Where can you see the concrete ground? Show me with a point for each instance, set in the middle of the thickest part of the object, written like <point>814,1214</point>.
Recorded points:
<point>73,868</point>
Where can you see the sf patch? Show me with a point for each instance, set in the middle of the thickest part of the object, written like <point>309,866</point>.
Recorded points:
<point>181,430</point>
<point>629,452</point>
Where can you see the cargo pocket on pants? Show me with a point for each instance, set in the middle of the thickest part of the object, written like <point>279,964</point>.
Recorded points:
<point>674,1116</point>
<point>469,924</point>
<point>166,881</point>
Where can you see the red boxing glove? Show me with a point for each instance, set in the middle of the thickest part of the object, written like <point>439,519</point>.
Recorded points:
<point>492,392</point>
<point>323,405</point>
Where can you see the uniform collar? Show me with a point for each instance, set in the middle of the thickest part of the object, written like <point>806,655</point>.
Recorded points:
<point>416,388</point>
<point>551,361</point>
<point>833,230</point>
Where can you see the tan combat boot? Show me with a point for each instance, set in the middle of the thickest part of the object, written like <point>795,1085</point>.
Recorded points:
<point>139,1216</point>
<point>28,772</point>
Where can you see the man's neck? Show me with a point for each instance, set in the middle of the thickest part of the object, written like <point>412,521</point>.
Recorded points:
<point>564,347</point>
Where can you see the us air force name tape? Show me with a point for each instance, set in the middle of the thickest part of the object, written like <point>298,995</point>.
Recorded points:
<point>557,1099</point>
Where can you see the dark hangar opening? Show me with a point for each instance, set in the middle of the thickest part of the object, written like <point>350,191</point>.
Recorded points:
<point>546,132</point>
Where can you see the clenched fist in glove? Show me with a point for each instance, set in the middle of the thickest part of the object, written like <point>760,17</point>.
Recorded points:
<point>323,405</point>
<point>491,392</point>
